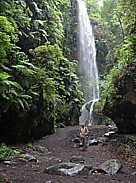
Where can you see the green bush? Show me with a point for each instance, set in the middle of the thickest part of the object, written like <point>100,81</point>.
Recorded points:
<point>7,153</point>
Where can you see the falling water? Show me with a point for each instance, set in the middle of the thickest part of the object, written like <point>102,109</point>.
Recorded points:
<point>87,69</point>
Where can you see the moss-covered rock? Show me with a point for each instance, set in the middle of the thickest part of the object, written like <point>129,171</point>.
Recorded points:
<point>123,109</point>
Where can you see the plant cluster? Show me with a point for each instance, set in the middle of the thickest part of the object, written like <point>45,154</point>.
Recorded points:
<point>7,153</point>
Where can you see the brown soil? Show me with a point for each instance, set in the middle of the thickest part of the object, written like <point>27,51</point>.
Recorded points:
<point>61,149</point>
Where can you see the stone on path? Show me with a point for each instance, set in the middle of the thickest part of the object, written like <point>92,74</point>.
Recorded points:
<point>93,142</point>
<point>28,157</point>
<point>69,169</point>
<point>109,133</point>
<point>111,166</point>
<point>77,159</point>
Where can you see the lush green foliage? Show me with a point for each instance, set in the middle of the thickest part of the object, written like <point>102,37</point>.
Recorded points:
<point>7,153</point>
<point>63,91</point>
<point>11,91</point>
<point>37,83</point>
<point>93,9</point>
<point>119,18</point>
<point>115,31</point>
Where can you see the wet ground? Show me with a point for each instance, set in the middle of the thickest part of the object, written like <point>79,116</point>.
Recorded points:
<point>61,149</point>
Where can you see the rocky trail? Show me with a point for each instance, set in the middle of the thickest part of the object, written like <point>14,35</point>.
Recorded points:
<point>60,148</point>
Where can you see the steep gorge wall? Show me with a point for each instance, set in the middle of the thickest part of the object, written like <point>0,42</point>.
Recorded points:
<point>39,22</point>
<point>123,110</point>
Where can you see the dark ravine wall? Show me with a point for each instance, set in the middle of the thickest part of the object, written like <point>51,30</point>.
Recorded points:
<point>14,129</point>
<point>123,110</point>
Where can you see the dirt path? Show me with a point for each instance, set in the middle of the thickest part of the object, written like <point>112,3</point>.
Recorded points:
<point>62,149</point>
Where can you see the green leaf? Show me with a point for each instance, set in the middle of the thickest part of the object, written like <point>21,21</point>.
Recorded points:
<point>26,104</point>
<point>26,96</point>
<point>7,82</point>
<point>4,76</point>
<point>21,103</point>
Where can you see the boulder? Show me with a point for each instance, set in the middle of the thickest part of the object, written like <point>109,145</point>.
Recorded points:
<point>111,166</point>
<point>69,169</point>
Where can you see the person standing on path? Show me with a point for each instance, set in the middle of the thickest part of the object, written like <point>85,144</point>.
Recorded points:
<point>83,133</point>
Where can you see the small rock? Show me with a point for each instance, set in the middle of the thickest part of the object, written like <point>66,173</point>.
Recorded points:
<point>28,157</point>
<point>77,159</point>
<point>7,162</point>
<point>102,139</point>
<point>93,142</point>
<point>113,127</point>
<point>41,149</point>
<point>109,133</point>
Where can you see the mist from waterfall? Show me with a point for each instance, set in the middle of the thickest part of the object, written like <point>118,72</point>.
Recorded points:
<point>87,68</point>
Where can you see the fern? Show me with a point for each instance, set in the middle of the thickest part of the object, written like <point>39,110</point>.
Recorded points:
<point>13,83</point>
<point>4,76</point>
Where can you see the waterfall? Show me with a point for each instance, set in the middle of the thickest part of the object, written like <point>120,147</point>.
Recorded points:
<point>87,68</point>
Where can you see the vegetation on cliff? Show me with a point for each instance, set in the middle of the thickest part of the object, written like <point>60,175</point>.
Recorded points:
<point>38,83</point>
<point>115,32</point>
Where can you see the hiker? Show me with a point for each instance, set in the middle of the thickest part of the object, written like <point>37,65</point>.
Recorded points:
<point>83,133</point>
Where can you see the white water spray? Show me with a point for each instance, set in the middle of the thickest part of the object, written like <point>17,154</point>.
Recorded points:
<point>87,69</point>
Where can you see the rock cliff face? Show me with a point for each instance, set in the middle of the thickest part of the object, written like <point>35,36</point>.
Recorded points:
<point>123,110</point>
